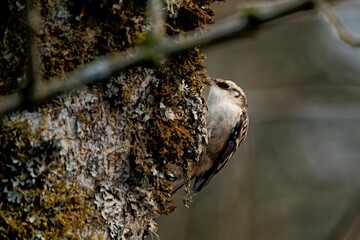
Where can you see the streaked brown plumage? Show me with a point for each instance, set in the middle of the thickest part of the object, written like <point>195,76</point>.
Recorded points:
<point>227,126</point>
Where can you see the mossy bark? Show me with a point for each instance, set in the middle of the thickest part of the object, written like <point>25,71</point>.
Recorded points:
<point>97,162</point>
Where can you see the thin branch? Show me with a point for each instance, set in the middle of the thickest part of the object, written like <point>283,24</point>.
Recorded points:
<point>33,76</point>
<point>334,21</point>
<point>157,17</point>
<point>240,26</point>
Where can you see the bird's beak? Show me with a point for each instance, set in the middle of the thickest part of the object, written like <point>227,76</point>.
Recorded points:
<point>212,81</point>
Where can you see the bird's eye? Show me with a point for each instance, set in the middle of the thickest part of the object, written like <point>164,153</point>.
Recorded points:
<point>223,85</point>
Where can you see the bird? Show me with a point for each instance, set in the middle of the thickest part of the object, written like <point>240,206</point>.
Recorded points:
<point>227,124</point>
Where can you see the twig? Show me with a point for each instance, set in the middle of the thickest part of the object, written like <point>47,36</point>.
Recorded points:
<point>33,76</point>
<point>157,17</point>
<point>239,26</point>
<point>334,21</point>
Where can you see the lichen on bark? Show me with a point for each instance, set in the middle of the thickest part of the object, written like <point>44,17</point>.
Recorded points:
<point>98,162</point>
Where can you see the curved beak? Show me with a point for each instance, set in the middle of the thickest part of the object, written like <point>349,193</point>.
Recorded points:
<point>212,81</point>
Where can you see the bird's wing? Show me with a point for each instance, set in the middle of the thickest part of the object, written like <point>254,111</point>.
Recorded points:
<point>234,140</point>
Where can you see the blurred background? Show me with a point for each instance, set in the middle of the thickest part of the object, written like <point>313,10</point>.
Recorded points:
<point>297,175</point>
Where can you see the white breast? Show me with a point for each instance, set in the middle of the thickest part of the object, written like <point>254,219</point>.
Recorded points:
<point>222,116</point>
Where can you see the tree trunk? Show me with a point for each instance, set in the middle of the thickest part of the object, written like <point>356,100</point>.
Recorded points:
<point>97,162</point>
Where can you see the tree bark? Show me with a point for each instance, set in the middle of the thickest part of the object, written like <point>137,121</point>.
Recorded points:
<point>97,162</point>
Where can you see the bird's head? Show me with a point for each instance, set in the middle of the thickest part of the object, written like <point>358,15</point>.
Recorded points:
<point>226,89</point>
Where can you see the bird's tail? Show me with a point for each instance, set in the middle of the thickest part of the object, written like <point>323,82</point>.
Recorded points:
<point>176,185</point>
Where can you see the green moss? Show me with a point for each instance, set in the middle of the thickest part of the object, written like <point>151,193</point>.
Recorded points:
<point>172,141</point>
<point>191,15</point>
<point>89,29</point>
<point>34,200</point>
<point>76,32</point>
<point>12,45</point>
<point>32,204</point>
